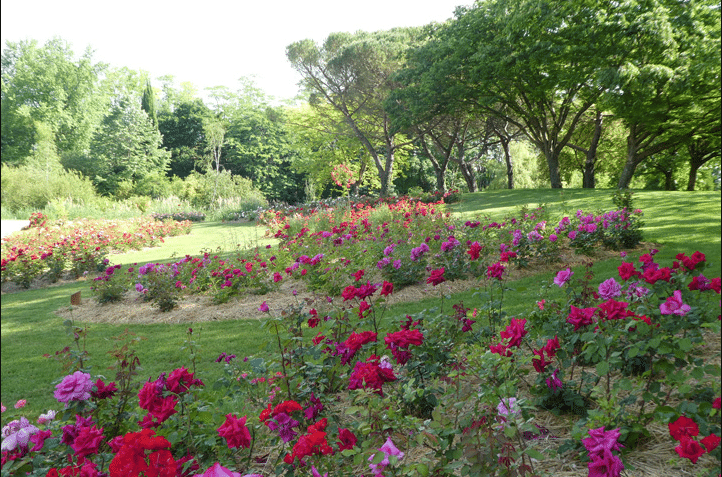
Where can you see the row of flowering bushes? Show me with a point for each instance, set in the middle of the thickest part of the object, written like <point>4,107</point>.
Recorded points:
<point>341,391</point>
<point>394,240</point>
<point>51,249</point>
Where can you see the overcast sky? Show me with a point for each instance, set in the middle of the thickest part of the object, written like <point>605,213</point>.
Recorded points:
<point>211,42</point>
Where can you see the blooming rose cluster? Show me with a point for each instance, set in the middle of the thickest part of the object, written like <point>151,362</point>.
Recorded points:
<point>159,406</point>
<point>684,430</point>
<point>399,342</point>
<point>511,337</point>
<point>371,374</point>
<point>353,343</point>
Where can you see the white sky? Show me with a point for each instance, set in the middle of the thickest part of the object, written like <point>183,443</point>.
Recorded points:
<point>211,42</point>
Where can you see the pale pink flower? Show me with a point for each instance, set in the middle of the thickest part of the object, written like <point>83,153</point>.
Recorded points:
<point>47,417</point>
<point>20,403</point>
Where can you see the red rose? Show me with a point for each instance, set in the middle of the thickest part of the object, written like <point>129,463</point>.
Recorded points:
<point>689,449</point>
<point>347,439</point>
<point>387,288</point>
<point>683,427</point>
<point>436,277</point>
<point>711,442</point>
<point>235,432</point>
<point>627,271</point>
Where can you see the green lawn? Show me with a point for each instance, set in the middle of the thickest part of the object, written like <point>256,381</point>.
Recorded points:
<point>678,221</point>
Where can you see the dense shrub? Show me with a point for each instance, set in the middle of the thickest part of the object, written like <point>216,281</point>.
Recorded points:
<point>25,186</point>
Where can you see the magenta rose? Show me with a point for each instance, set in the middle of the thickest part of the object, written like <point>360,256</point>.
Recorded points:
<point>74,387</point>
<point>563,276</point>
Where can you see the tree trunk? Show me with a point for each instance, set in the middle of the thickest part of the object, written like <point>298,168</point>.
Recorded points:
<point>509,164</point>
<point>669,181</point>
<point>589,180</point>
<point>439,167</point>
<point>469,176</point>
<point>555,177</point>
<point>692,181</point>
<point>631,165</point>
<point>385,174</point>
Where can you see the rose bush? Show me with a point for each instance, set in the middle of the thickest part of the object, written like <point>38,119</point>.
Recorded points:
<point>341,390</point>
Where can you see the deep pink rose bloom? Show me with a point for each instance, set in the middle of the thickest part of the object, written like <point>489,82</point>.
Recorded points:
<point>88,441</point>
<point>580,317</point>
<point>689,449</point>
<point>104,390</point>
<point>39,440</point>
<point>217,470</point>
<point>495,271</point>
<point>514,332</point>
<point>235,432</point>
<point>674,305</point>
<point>609,289</point>
<point>563,277</point>
<point>74,387</point>
<point>180,380</point>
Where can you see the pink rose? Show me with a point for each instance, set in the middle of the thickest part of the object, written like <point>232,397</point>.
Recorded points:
<point>74,387</point>
<point>563,276</point>
<point>217,470</point>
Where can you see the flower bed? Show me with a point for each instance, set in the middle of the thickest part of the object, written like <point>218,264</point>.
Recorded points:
<point>341,391</point>
<point>50,250</point>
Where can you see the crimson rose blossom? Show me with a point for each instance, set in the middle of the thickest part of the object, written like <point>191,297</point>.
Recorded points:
<point>88,441</point>
<point>436,277</point>
<point>689,449</point>
<point>495,271</point>
<point>235,432</point>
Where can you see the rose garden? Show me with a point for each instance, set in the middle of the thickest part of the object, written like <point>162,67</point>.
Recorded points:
<point>573,345</point>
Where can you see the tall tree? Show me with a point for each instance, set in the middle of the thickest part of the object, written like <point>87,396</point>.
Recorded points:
<point>702,149</point>
<point>48,85</point>
<point>126,147</point>
<point>525,61</point>
<point>354,73</point>
<point>148,103</point>
<point>321,146</point>
<point>666,87</point>
<point>183,135</point>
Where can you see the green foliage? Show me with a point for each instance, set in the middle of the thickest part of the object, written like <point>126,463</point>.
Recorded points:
<point>126,147</point>
<point>148,103</point>
<point>210,190</point>
<point>47,85</point>
<point>110,287</point>
<point>29,187</point>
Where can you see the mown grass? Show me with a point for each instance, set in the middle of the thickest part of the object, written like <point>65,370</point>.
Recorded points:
<point>677,221</point>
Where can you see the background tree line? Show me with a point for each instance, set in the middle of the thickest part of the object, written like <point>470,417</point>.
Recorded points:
<point>509,93</point>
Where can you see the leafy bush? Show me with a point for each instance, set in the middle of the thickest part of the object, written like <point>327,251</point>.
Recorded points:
<point>181,216</point>
<point>25,186</point>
